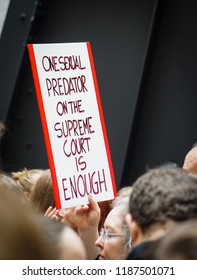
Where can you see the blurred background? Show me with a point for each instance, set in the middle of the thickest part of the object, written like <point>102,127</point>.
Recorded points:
<point>146,64</point>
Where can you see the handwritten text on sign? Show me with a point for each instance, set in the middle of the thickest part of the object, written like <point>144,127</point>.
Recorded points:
<point>73,123</point>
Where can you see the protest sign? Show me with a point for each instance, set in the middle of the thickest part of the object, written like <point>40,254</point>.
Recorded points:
<point>73,122</point>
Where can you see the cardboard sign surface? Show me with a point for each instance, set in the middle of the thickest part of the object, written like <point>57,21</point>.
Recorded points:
<point>73,123</point>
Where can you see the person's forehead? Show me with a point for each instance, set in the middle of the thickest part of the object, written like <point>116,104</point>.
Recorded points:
<point>113,219</point>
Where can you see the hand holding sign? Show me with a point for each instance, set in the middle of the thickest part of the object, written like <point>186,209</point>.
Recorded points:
<point>87,216</point>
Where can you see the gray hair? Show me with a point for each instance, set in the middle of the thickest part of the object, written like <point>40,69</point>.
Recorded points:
<point>122,206</point>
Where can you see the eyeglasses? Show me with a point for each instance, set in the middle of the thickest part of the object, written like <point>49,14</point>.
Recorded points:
<point>106,235</point>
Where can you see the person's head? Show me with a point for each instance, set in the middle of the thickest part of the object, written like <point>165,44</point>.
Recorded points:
<point>114,241</point>
<point>190,160</point>
<point>7,182</point>
<point>42,195</point>
<point>123,192</point>
<point>178,244</point>
<point>160,199</point>
<point>27,179</point>
<point>20,237</point>
<point>64,242</point>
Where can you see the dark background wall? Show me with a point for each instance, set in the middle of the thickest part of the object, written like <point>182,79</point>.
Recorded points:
<point>145,59</point>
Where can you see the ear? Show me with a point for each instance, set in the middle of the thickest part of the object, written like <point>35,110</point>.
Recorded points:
<point>134,228</point>
<point>27,195</point>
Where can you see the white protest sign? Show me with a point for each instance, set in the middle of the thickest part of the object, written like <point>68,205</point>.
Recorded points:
<point>73,123</point>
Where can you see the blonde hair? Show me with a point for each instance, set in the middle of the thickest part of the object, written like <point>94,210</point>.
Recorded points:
<point>42,195</point>
<point>27,178</point>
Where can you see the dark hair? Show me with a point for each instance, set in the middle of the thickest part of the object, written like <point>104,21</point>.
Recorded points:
<point>161,194</point>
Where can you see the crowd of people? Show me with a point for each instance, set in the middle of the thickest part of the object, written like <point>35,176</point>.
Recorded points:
<point>153,219</point>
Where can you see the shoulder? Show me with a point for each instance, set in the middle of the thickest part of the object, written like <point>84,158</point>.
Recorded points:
<point>138,252</point>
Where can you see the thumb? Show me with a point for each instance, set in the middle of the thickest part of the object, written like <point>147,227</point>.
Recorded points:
<point>93,204</point>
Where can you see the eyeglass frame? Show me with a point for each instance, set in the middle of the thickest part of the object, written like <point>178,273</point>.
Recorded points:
<point>105,234</point>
